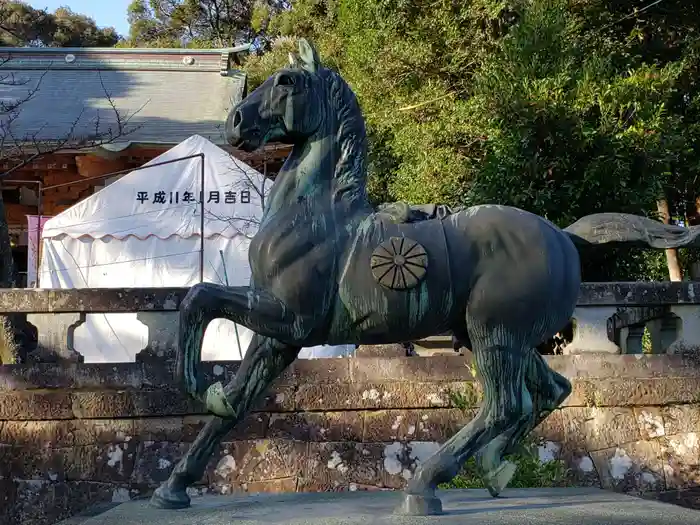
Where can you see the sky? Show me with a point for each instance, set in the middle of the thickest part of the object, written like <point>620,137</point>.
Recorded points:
<point>105,12</point>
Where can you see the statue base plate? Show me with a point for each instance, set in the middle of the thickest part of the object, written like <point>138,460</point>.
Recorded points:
<point>567,506</point>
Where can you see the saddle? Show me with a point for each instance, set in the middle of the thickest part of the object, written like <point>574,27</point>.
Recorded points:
<point>402,212</point>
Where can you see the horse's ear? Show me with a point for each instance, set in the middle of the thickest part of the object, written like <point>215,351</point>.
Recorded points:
<point>309,56</point>
<point>293,60</point>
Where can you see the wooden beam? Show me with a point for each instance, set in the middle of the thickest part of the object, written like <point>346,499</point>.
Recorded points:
<point>94,166</point>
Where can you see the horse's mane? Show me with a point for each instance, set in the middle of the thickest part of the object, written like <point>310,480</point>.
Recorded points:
<point>350,176</point>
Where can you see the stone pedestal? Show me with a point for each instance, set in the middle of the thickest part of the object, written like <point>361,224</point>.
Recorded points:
<point>591,331</point>
<point>582,506</point>
<point>688,340</point>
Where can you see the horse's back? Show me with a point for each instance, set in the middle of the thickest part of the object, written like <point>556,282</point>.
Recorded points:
<point>494,264</point>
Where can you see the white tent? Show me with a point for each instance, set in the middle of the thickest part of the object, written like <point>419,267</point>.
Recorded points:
<point>143,230</point>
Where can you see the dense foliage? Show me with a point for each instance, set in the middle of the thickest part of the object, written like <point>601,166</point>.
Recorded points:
<point>22,25</point>
<point>561,107</point>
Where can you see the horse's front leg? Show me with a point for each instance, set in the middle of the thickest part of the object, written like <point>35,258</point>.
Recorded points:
<point>264,361</point>
<point>256,310</point>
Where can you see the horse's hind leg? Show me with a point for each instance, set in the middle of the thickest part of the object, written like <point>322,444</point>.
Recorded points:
<point>548,390</point>
<point>506,405</point>
<point>264,361</point>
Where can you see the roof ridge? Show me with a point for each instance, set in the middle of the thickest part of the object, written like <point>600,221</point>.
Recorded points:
<point>125,50</point>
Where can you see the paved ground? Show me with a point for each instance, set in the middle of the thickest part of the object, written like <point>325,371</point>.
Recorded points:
<point>569,506</point>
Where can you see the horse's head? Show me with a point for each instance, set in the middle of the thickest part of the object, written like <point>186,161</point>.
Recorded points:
<point>285,108</point>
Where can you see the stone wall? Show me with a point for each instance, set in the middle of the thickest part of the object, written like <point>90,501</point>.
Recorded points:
<point>75,434</point>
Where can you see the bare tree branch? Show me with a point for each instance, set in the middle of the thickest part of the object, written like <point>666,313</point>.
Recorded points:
<point>21,149</point>
<point>246,226</point>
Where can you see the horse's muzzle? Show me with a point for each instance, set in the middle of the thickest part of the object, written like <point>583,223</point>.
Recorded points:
<point>239,135</point>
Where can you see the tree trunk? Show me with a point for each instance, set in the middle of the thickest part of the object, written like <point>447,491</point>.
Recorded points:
<point>674,267</point>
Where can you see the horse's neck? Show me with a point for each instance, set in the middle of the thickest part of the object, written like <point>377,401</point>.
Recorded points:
<point>308,177</point>
<point>298,180</point>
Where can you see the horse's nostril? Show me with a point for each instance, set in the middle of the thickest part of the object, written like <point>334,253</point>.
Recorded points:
<point>237,118</point>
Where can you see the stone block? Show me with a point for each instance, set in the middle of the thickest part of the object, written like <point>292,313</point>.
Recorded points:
<point>436,368</point>
<point>633,468</point>
<point>37,433</point>
<point>102,463</point>
<point>268,485</point>
<point>681,456</point>
<point>316,426</point>
<point>318,371</point>
<point>91,300</point>
<point>132,403</point>
<point>253,426</point>
<point>279,398</point>
<point>36,502</point>
<point>22,406</point>
<point>600,366</point>
<point>688,340</point>
<point>55,335</point>
<point>633,392</point>
<point>46,503</point>
<point>165,428</point>
<point>411,425</point>
<point>680,419</point>
<point>98,463</point>
<point>341,466</point>
<point>651,422</point>
<point>591,331</point>
<point>65,433</point>
<point>599,428</point>
<point>162,336</point>
<point>32,464</point>
<point>391,350</point>
<point>582,469</point>
<point>155,460</point>
<point>377,396</point>
<point>635,293</point>
<point>8,500</point>
<point>400,461</point>
<point>552,428</point>
<point>240,463</point>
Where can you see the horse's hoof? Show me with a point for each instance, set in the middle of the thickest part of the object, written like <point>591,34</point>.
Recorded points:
<point>498,478</point>
<point>216,402</point>
<point>167,498</point>
<point>418,505</point>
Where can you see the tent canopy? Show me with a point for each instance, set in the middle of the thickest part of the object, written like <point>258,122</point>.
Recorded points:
<point>144,231</point>
<point>164,200</point>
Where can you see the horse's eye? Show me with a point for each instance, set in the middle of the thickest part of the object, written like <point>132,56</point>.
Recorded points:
<point>285,80</point>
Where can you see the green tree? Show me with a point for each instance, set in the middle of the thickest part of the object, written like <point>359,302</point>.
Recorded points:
<point>560,107</point>
<point>200,23</point>
<point>22,25</point>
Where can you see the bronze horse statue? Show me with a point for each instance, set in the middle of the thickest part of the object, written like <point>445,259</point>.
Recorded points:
<point>328,268</point>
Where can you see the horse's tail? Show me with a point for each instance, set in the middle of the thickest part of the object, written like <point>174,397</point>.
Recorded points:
<point>632,230</point>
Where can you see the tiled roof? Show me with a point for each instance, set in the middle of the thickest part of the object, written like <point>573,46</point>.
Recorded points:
<point>167,95</point>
